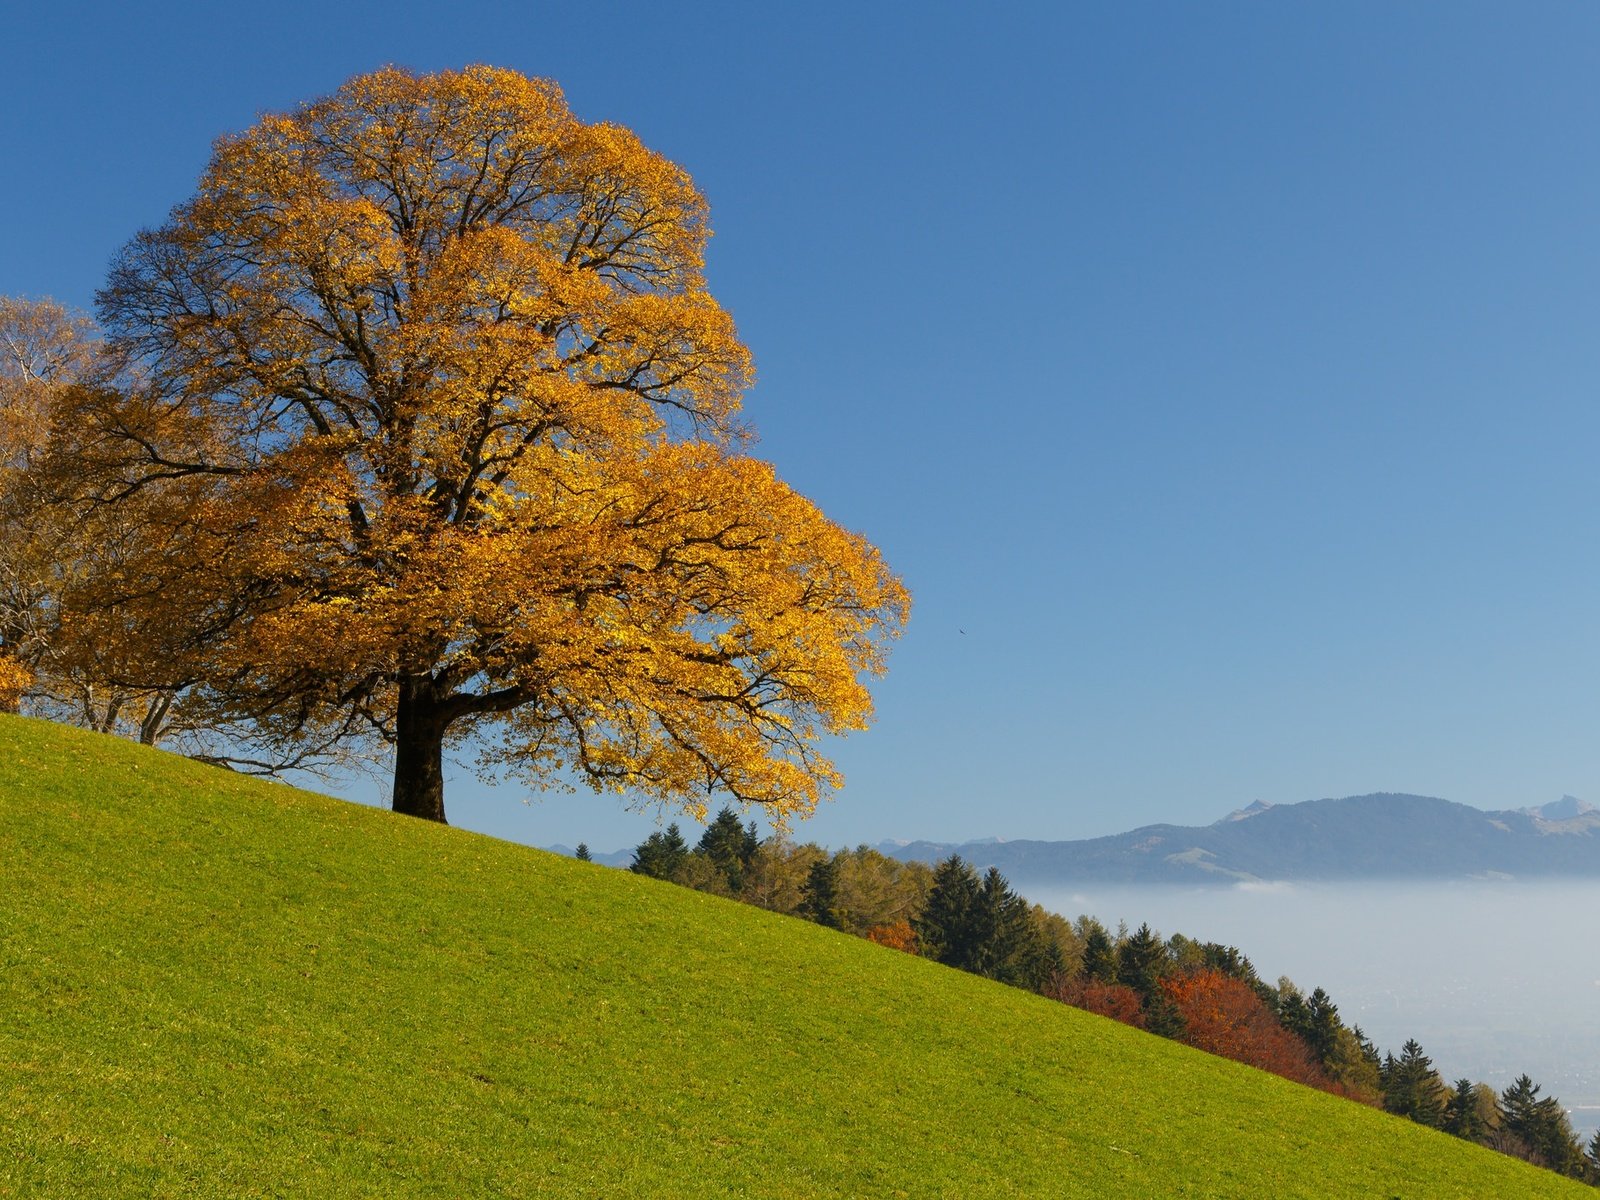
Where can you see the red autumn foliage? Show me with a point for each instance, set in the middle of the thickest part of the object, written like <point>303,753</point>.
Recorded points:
<point>1223,1015</point>
<point>897,936</point>
<point>1113,1000</point>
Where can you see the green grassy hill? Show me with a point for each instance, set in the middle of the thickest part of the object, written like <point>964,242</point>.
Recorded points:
<point>215,986</point>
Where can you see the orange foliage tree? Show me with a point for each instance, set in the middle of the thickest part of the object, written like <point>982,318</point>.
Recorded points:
<point>1223,1015</point>
<point>1114,1000</point>
<point>431,372</point>
<point>47,353</point>
<point>897,935</point>
<point>42,348</point>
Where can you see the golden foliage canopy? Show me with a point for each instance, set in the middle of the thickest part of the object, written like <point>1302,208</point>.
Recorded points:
<point>450,424</point>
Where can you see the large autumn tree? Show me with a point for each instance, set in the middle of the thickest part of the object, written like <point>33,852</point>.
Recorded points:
<point>451,419</point>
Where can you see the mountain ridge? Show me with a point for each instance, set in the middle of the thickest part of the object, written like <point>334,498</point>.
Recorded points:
<point>1382,835</point>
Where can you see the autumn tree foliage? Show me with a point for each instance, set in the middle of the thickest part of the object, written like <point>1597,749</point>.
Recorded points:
<point>14,682</point>
<point>897,935</point>
<point>1224,1015</point>
<point>877,891</point>
<point>430,368</point>
<point>44,349</point>
<point>778,872</point>
<point>1099,996</point>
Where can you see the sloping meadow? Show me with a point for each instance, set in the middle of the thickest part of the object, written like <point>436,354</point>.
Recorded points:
<point>211,985</point>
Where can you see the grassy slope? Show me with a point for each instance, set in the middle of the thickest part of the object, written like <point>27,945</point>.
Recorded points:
<point>213,986</point>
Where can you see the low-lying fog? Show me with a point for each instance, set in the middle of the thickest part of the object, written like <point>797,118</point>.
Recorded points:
<point>1493,979</point>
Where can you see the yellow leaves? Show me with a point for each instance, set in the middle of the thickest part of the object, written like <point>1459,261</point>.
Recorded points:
<point>477,413</point>
<point>744,629</point>
<point>15,679</point>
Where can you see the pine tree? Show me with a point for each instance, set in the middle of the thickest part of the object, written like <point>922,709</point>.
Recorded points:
<point>1006,945</point>
<point>1053,967</point>
<point>1322,1026</point>
<point>1462,1115</point>
<point>1412,1088</point>
<point>1542,1127</point>
<point>1369,1051</point>
<point>945,926</point>
<point>1520,1103</point>
<point>661,854</point>
<point>747,856</point>
<point>1231,962</point>
<point>1290,1005</point>
<point>820,894</point>
<point>582,853</point>
<point>1099,955</point>
<point>729,847</point>
<point>1142,961</point>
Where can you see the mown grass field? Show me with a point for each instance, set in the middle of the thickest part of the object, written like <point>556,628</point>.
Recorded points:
<point>212,986</point>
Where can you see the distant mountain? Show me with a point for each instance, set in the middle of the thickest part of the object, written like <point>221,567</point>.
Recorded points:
<point>1565,809</point>
<point>1382,836</point>
<point>615,858</point>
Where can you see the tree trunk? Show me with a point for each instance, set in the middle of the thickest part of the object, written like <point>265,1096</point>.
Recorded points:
<point>419,750</point>
<point>153,724</point>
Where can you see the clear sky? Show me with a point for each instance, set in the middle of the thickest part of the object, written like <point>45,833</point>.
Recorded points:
<point>1221,378</point>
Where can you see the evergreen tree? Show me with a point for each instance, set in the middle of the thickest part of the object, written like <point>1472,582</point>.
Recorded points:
<point>1542,1127</point>
<point>729,847</point>
<point>1231,962</point>
<point>1368,1051</point>
<point>1290,1005</point>
<point>1005,943</point>
<point>1520,1103</point>
<point>1162,1017</point>
<point>1053,967</point>
<point>1322,1026</point>
<point>944,927</point>
<point>1462,1116</point>
<point>1142,961</point>
<point>1099,955</point>
<point>820,894</point>
<point>749,853</point>
<point>1412,1088</point>
<point>582,853</point>
<point>1315,1021</point>
<point>1354,1064</point>
<point>1064,947</point>
<point>661,854</point>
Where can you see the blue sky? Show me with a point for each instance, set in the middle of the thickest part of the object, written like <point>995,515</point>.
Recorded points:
<point>1221,378</point>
